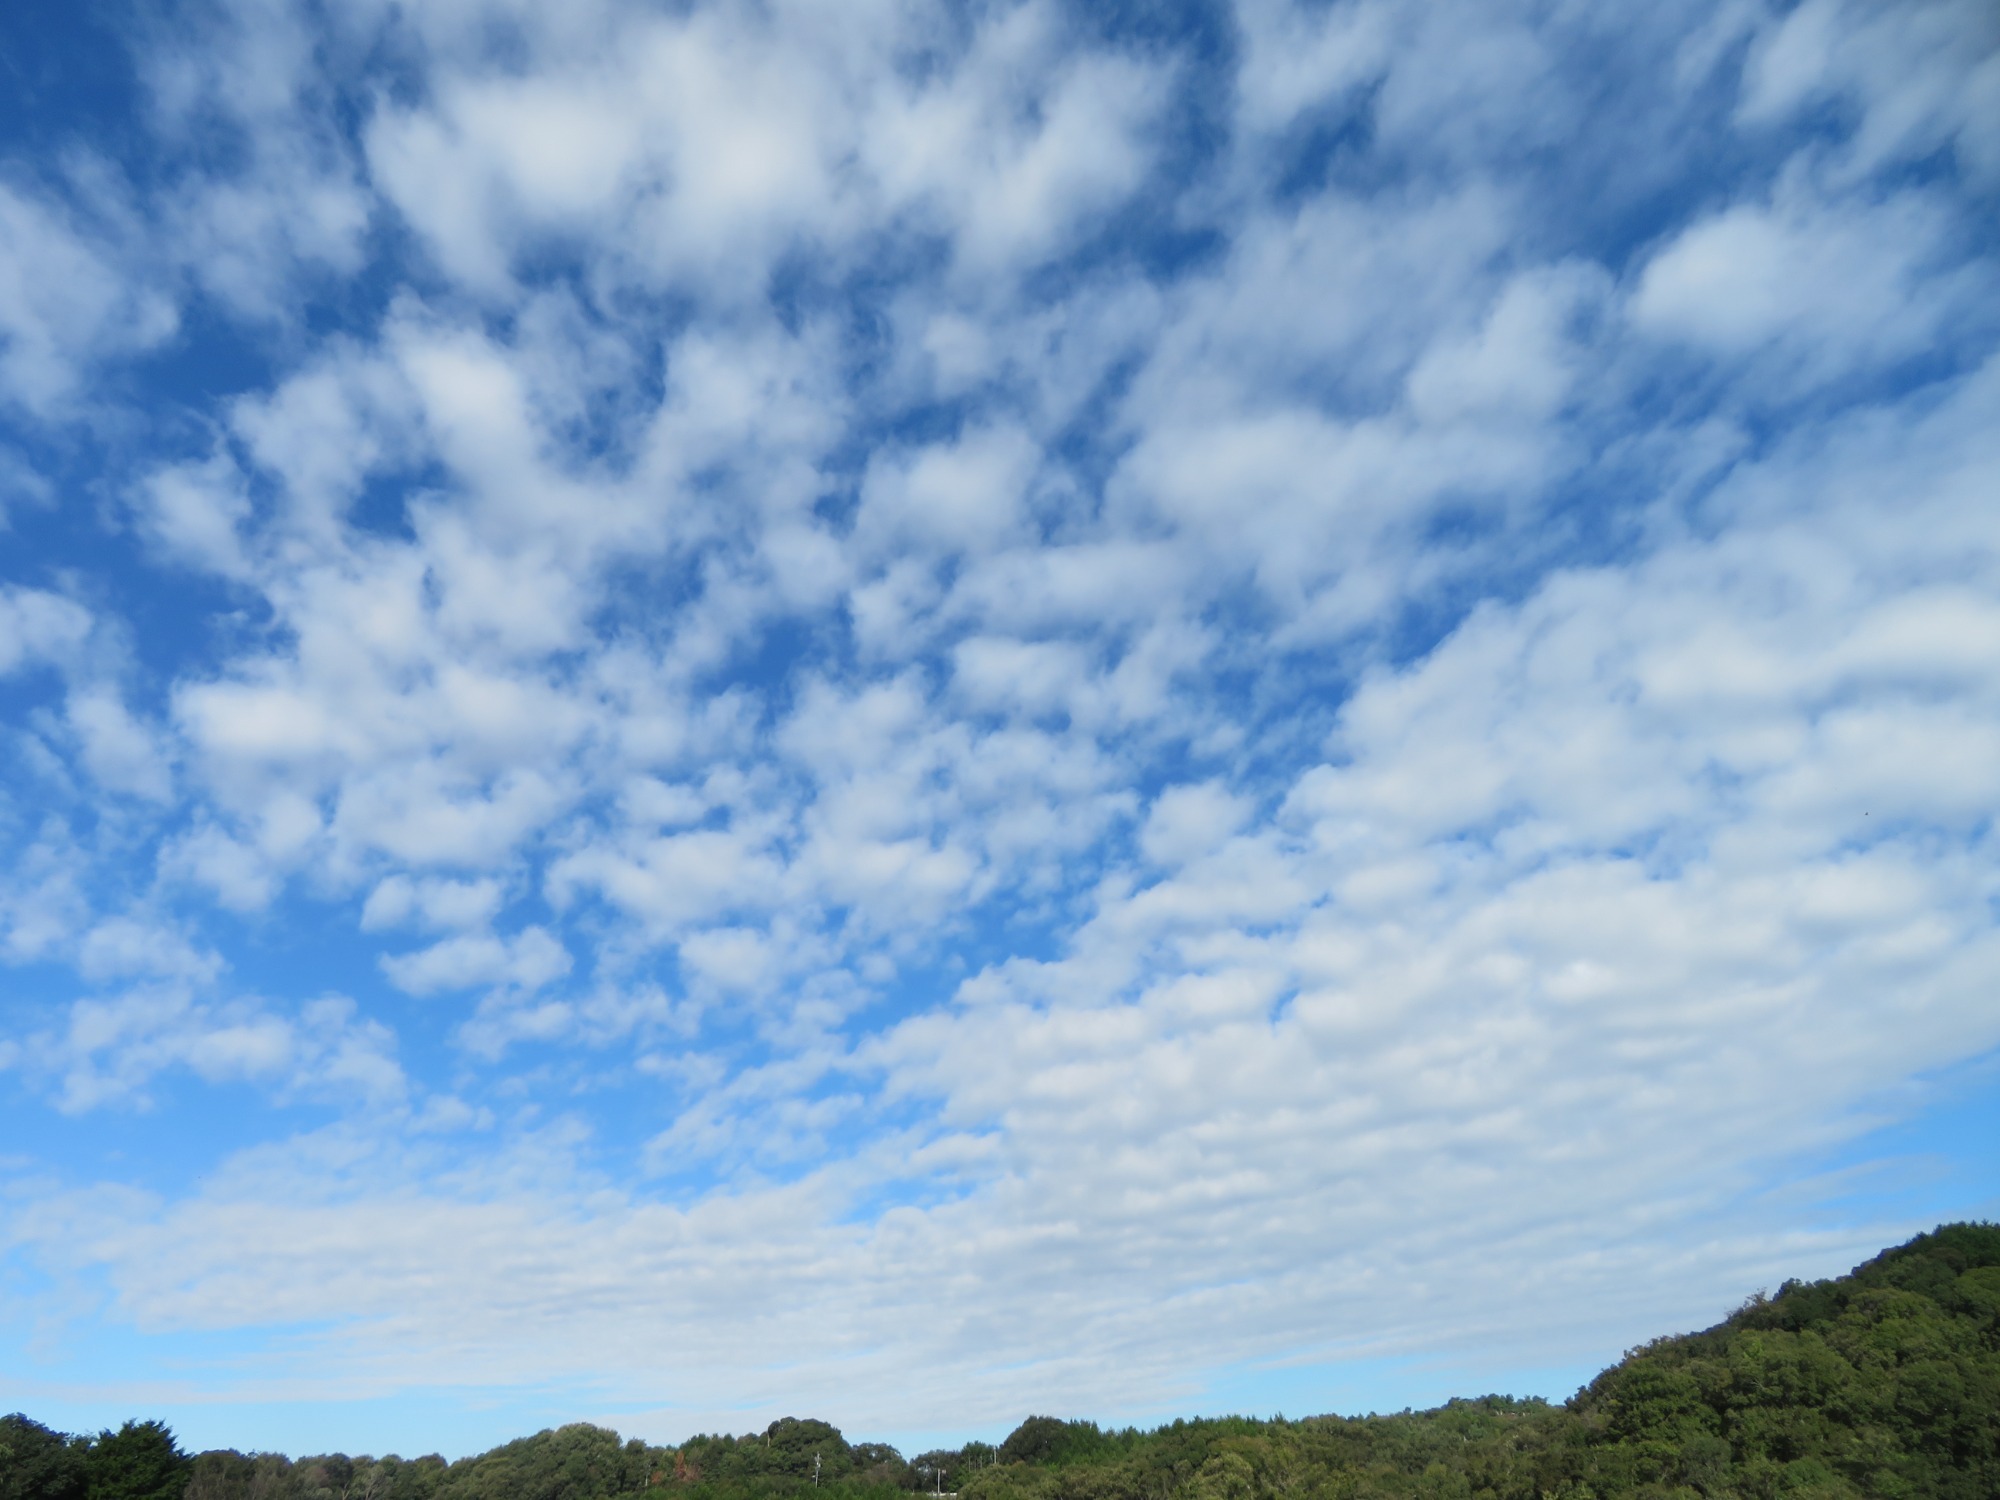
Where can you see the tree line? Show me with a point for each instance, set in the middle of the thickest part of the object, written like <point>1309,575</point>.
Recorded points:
<point>1883,1384</point>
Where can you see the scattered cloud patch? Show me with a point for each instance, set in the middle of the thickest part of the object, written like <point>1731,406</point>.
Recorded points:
<point>781,698</point>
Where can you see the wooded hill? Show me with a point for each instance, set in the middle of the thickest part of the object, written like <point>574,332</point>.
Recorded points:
<point>1882,1383</point>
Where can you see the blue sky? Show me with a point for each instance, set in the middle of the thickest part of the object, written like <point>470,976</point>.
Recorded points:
<point>918,712</point>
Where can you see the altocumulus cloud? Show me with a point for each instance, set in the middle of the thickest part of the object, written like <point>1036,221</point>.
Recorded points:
<point>708,704</point>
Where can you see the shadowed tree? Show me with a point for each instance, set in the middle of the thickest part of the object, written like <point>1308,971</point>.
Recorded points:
<point>140,1461</point>
<point>39,1463</point>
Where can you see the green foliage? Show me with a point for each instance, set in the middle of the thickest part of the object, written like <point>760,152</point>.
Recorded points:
<point>578,1462</point>
<point>38,1463</point>
<point>1880,1385</point>
<point>1047,1440</point>
<point>224,1474</point>
<point>140,1461</point>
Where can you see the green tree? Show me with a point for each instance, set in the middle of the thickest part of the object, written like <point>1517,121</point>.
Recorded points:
<point>39,1463</point>
<point>140,1461</point>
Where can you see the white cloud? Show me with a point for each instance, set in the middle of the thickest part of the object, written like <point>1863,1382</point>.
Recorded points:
<point>192,512</point>
<point>240,879</point>
<point>253,224</point>
<point>64,303</point>
<point>1141,709</point>
<point>1510,932</point>
<point>970,493</point>
<point>677,880</point>
<point>1299,59</point>
<point>528,960</point>
<point>110,1053</point>
<point>1519,364</point>
<point>123,753</point>
<point>1924,76</point>
<point>125,948</point>
<point>1033,677</point>
<point>37,626</point>
<point>1823,286</point>
<point>703,148</point>
<point>1188,821</point>
<point>1474,80</point>
<point>1088,154</point>
<point>400,901</point>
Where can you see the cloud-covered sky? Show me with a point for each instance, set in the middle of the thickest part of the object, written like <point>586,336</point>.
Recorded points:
<point>914,711</point>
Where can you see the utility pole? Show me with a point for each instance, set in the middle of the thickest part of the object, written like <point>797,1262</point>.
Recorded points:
<point>815,1471</point>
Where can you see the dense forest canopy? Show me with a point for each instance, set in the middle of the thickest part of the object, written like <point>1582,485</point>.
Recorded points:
<point>1882,1383</point>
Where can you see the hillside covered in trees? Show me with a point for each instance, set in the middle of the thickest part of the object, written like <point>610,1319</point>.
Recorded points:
<point>1882,1383</point>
